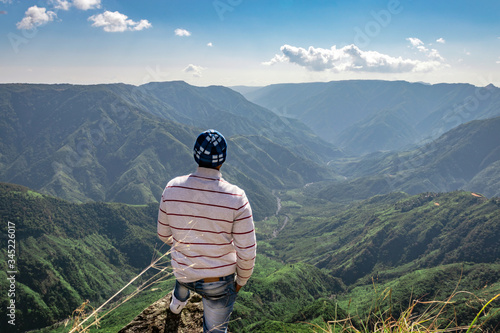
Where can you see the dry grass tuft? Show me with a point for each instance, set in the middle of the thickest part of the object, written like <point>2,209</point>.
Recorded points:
<point>431,320</point>
<point>80,317</point>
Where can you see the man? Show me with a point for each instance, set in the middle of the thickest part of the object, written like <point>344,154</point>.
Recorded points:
<point>208,223</point>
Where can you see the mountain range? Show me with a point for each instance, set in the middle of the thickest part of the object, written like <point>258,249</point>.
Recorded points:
<point>123,143</point>
<point>363,116</point>
<point>385,233</point>
<point>408,203</point>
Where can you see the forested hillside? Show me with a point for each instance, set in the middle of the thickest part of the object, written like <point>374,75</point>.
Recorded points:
<point>67,253</point>
<point>388,232</point>
<point>391,249</point>
<point>123,143</point>
<point>324,259</point>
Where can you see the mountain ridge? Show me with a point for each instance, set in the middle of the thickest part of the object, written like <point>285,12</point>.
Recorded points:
<point>338,111</point>
<point>119,142</point>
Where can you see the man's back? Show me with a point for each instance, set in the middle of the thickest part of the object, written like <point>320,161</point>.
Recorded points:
<point>208,223</point>
<point>209,220</point>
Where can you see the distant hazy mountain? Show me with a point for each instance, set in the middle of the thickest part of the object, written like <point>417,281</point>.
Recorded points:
<point>467,157</point>
<point>244,89</point>
<point>123,143</point>
<point>367,116</point>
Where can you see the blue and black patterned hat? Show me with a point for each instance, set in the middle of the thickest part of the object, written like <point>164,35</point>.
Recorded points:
<point>210,149</point>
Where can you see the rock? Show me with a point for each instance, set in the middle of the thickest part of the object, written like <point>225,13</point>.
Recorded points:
<point>157,318</point>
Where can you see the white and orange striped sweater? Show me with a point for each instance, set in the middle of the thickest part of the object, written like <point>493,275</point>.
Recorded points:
<point>208,222</point>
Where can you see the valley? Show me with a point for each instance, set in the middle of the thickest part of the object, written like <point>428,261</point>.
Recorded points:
<point>357,213</point>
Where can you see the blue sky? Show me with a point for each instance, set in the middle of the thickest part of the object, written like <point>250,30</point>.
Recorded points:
<point>249,42</point>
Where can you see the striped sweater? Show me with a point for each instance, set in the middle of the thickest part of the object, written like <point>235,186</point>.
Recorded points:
<point>208,223</point>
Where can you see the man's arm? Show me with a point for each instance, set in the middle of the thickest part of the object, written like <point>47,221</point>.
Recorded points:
<point>245,243</point>
<point>163,227</point>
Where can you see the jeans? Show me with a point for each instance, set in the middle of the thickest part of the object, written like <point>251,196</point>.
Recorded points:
<point>218,301</point>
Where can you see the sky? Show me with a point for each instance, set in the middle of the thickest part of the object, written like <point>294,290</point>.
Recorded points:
<point>249,42</point>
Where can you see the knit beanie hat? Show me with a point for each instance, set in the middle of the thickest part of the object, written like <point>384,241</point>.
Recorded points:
<point>210,149</point>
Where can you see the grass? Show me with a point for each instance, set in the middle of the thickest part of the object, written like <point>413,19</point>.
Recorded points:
<point>482,310</point>
<point>83,320</point>
<point>420,316</point>
<point>409,321</point>
<point>34,194</point>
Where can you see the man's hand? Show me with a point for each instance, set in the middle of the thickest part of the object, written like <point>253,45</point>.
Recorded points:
<point>238,287</point>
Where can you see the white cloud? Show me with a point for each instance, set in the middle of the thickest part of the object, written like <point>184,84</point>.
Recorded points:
<point>34,17</point>
<point>79,4</point>
<point>117,22</point>
<point>441,40</point>
<point>182,33</point>
<point>60,4</point>
<point>431,54</point>
<point>193,69</point>
<point>143,24</point>
<point>498,61</point>
<point>6,1</point>
<point>210,44</point>
<point>415,41</point>
<point>87,4</point>
<point>316,59</point>
<point>350,59</point>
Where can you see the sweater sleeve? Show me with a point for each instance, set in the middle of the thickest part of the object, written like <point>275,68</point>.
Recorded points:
<point>244,241</point>
<point>163,227</point>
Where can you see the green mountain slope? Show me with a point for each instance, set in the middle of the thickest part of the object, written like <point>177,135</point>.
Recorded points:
<point>123,143</point>
<point>487,180</point>
<point>67,253</point>
<point>363,116</point>
<point>277,296</point>
<point>391,231</point>
<point>79,142</point>
<point>222,108</point>
<point>449,295</point>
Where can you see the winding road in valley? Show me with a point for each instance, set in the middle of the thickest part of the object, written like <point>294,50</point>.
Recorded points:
<point>278,230</point>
